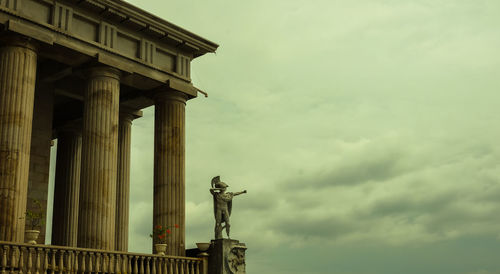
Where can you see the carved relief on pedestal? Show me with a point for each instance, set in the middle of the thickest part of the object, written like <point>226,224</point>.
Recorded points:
<point>227,256</point>
<point>235,259</point>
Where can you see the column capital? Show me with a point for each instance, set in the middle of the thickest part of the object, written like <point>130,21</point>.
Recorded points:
<point>128,114</point>
<point>167,94</point>
<point>103,71</point>
<point>18,40</point>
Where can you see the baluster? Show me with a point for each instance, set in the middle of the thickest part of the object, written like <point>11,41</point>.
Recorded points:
<point>165,262</point>
<point>111,263</point>
<point>119,264</point>
<point>127,265</point>
<point>75,261</point>
<point>30,260</point>
<point>136,265</point>
<point>141,269</point>
<point>13,259</point>
<point>116,263</point>
<point>159,265</point>
<point>45,260</point>
<point>198,265</point>
<point>69,262</point>
<point>61,261</point>
<point>171,266</point>
<point>9,262</point>
<point>98,262</point>
<point>105,258</point>
<point>53,261</point>
<point>176,266</point>
<point>91,262</point>
<point>147,265</point>
<point>153,266</point>
<point>4,259</point>
<point>84,257</point>
<point>183,266</point>
<point>21,259</point>
<point>37,261</point>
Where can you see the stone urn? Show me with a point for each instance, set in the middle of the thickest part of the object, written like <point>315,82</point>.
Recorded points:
<point>30,236</point>
<point>203,247</point>
<point>160,249</point>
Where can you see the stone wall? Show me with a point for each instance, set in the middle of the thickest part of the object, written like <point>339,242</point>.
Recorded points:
<point>41,140</point>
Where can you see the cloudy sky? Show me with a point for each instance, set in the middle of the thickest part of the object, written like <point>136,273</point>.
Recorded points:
<point>366,133</point>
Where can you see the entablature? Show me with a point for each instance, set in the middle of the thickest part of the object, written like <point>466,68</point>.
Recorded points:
<point>111,32</point>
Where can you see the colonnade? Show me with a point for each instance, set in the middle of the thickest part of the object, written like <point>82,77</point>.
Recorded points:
<point>93,159</point>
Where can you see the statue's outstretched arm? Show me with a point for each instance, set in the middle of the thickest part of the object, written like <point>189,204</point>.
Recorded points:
<point>241,192</point>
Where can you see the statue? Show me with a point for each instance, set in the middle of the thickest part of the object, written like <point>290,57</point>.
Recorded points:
<point>223,203</point>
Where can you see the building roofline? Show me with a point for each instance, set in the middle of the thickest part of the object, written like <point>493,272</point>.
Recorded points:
<point>196,43</point>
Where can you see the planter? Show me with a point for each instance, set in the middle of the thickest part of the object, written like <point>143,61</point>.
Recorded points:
<point>160,249</point>
<point>203,247</point>
<point>30,236</point>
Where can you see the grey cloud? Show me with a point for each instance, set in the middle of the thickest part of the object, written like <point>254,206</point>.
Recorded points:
<point>351,172</point>
<point>260,201</point>
<point>411,204</point>
<point>329,228</point>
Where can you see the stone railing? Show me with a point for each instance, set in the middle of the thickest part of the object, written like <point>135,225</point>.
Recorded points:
<point>26,258</point>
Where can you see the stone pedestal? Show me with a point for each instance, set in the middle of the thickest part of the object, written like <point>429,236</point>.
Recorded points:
<point>226,257</point>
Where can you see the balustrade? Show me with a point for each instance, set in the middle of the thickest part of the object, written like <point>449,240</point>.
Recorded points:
<point>37,259</point>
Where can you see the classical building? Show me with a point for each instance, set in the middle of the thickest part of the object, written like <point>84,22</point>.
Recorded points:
<point>81,71</point>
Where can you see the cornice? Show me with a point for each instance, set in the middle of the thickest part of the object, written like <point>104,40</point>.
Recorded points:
<point>150,24</point>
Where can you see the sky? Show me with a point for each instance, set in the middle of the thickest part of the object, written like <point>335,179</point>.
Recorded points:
<point>365,133</point>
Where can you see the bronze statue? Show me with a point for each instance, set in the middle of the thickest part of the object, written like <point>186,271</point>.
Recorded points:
<point>223,203</point>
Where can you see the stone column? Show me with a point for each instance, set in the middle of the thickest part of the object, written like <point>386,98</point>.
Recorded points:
<point>67,187</point>
<point>18,60</point>
<point>123,178</point>
<point>169,185</point>
<point>96,219</point>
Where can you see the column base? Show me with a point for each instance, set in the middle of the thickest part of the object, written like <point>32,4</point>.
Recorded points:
<point>227,256</point>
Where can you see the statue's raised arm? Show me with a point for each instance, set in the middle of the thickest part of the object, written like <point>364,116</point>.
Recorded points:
<point>241,192</point>
<point>223,202</point>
